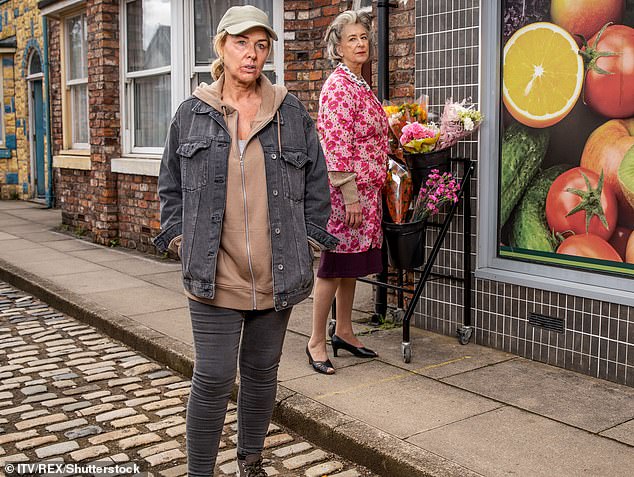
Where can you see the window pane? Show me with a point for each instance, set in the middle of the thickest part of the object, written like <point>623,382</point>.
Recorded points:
<point>151,110</point>
<point>79,118</point>
<point>149,34</point>
<point>35,66</point>
<point>207,14</point>
<point>76,38</point>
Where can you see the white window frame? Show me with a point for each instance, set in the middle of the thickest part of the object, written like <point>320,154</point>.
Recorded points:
<point>489,265</point>
<point>276,66</point>
<point>127,82</point>
<point>356,5</point>
<point>68,107</point>
<point>182,69</point>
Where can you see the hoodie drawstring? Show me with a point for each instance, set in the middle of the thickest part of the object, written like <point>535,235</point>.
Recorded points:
<point>279,133</point>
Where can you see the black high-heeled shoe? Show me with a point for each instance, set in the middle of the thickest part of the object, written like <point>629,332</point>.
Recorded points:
<point>323,367</point>
<point>361,351</point>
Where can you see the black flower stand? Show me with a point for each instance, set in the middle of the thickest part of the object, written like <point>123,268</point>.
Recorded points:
<point>423,269</point>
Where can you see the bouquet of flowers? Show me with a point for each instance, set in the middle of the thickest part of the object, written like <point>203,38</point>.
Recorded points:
<point>410,132</point>
<point>458,121</point>
<point>417,137</point>
<point>397,191</point>
<point>437,191</point>
<point>399,115</point>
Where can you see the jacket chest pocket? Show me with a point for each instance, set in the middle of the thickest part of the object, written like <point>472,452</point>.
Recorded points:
<point>294,164</point>
<point>194,163</point>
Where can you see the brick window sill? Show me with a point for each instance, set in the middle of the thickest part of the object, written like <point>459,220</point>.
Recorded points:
<point>142,166</point>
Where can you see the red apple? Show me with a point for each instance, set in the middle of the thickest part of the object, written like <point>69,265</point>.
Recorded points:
<point>586,17</point>
<point>605,150</point>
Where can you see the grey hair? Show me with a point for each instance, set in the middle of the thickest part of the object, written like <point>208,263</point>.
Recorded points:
<point>333,34</point>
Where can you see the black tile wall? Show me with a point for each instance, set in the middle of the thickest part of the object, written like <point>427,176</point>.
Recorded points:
<point>599,336</point>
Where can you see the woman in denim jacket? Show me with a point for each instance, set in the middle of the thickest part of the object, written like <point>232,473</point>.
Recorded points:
<point>243,189</point>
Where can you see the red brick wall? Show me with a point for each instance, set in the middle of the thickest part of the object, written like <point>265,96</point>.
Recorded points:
<point>103,115</point>
<point>305,63</point>
<point>74,196</point>
<point>139,218</point>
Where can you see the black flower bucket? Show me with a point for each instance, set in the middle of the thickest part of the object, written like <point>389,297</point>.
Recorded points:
<point>421,165</point>
<point>405,244</point>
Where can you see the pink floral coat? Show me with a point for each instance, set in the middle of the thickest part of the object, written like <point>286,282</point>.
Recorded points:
<point>354,136</point>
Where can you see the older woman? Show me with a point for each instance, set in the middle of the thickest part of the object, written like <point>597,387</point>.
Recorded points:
<point>243,189</point>
<point>353,129</point>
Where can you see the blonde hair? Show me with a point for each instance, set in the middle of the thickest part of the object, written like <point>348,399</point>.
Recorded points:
<point>333,33</point>
<point>218,66</point>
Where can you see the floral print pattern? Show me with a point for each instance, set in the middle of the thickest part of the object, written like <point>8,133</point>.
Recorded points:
<point>354,136</point>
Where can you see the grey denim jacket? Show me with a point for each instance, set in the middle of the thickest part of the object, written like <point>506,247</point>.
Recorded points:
<point>192,191</point>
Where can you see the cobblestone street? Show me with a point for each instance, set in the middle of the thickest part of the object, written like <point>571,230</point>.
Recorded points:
<point>68,392</point>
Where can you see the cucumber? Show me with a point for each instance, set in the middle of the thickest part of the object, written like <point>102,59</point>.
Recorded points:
<point>523,150</point>
<point>529,228</point>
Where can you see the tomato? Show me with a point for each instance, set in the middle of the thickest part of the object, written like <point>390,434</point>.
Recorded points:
<point>590,246</point>
<point>629,250</point>
<point>609,87</point>
<point>577,195</point>
<point>619,240</point>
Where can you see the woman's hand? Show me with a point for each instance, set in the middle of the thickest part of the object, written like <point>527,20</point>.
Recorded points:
<point>353,215</point>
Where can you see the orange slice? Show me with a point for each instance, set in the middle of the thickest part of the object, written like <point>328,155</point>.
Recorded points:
<point>543,74</point>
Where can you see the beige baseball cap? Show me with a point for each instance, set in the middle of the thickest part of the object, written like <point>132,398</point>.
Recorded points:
<point>237,20</point>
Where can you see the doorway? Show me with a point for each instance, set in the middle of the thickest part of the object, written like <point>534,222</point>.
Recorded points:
<point>35,80</point>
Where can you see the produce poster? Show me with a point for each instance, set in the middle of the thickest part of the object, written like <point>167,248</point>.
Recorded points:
<point>567,134</point>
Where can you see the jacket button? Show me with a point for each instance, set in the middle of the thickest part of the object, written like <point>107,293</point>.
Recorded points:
<point>275,192</point>
<point>273,156</point>
<point>277,231</point>
<point>284,303</point>
<point>280,267</point>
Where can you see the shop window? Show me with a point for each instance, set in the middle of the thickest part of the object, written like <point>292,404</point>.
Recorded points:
<point>538,160</point>
<point>206,15</point>
<point>148,91</point>
<point>76,78</point>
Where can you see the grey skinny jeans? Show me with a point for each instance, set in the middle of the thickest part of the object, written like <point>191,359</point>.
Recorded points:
<point>220,335</point>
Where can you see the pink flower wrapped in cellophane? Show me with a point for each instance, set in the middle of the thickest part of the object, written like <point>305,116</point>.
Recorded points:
<point>417,137</point>
<point>458,121</point>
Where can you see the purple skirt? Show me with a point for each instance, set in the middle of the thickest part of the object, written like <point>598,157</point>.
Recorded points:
<point>349,265</point>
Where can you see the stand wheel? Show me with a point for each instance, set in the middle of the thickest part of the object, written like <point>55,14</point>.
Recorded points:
<point>406,349</point>
<point>397,316</point>
<point>464,334</point>
<point>331,327</point>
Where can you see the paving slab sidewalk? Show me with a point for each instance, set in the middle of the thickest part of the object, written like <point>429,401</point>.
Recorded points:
<point>453,411</point>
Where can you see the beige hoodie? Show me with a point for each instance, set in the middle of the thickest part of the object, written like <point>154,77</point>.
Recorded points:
<point>244,275</point>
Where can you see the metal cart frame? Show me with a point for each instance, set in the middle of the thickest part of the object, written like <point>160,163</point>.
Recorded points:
<point>381,282</point>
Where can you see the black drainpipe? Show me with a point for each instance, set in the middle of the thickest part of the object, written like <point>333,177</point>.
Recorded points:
<point>383,72</point>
